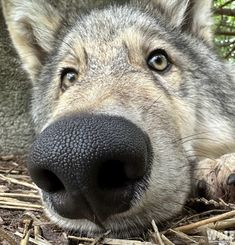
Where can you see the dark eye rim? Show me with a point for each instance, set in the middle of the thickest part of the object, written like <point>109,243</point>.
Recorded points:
<point>159,52</point>
<point>65,71</point>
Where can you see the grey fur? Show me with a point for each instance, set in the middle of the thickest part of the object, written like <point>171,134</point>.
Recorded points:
<point>186,111</point>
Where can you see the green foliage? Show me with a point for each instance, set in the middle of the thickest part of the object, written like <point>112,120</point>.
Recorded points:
<point>224,15</point>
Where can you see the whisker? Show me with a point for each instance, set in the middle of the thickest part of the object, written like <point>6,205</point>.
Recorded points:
<point>189,136</point>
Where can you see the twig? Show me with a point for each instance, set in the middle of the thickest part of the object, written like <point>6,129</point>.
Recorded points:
<point>21,204</point>
<point>230,52</point>
<point>100,238</point>
<point>20,208</point>
<point>25,239</point>
<point>32,196</point>
<point>81,239</point>
<point>220,225</point>
<point>27,231</point>
<point>225,33</point>
<point>12,169</point>
<point>19,176</point>
<point>7,158</point>
<point>183,236</point>
<point>166,240</point>
<point>156,235</point>
<point>189,227</point>
<point>18,182</point>
<point>224,11</point>
<point>5,171</point>
<point>37,232</point>
<point>226,3</point>
<point>198,215</point>
<point>39,241</point>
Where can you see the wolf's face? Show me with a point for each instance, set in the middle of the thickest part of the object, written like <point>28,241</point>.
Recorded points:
<point>114,100</point>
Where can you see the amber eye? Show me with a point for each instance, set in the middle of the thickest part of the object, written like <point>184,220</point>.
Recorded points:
<point>68,77</point>
<point>158,61</point>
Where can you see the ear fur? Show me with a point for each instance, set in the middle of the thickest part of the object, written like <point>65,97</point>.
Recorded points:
<point>192,16</point>
<point>32,26</point>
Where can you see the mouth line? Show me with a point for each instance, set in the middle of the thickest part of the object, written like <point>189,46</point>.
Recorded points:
<point>91,215</point>
<point>97,221</point>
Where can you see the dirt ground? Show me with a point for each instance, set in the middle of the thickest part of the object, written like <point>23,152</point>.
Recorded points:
<point>20,206</point>
<point>22,220</point>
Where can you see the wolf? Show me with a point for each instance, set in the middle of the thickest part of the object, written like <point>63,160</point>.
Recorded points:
<point>127,98</point>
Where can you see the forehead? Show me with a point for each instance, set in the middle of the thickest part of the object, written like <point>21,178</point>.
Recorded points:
<point>114,28</point>
<point>107,24</point>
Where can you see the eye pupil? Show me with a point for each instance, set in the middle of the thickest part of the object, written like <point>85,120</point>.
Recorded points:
<point>159,59</point>
<point>71,76</point>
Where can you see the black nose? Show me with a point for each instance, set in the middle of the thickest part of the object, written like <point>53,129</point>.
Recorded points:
<point>91,166</point>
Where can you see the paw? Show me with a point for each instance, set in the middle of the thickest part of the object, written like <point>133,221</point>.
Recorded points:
<point>215,179</point>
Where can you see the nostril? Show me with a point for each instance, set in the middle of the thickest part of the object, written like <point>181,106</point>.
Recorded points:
<point>47,181</point>
<point>112,175</point>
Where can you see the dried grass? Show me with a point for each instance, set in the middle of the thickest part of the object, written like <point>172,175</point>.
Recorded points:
<point>18,193</point>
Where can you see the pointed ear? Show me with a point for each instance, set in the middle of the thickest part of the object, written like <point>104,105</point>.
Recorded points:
<point>192,16</point>
<point>32,26</point>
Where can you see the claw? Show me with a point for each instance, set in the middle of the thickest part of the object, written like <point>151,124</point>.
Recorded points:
<point>202,188</point>
<point>231,179</point>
